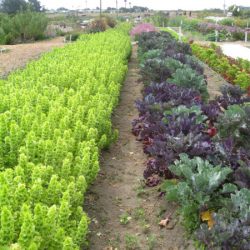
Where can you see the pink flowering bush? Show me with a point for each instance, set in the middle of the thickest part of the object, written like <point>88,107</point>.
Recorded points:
<point>144,27</point>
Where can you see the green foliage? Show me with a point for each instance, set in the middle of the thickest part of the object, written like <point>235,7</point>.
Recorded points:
<point>34,5</point>
<point>7,226</point>
<point>176,21</point>
<point>16,6</point>
<point>191,24</point>
<point>30,25</point>
<point>22,27</point>
<point>200,117</point>
<point>12,6</point>
<point>235,121</point>
<point>125,218</point>
<point>131,242</point>
<point>234,71</point>
<point>55,118</point>
<point>151,54</point>
<point>197,188</point>
<point>229,231</point>
<point>187,77</point>
<point>72,36</point>
<point>159,19</point>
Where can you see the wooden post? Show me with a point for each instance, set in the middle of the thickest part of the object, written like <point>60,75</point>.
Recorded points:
<point>180,34</point>
<point>216,35</point>
<point>246,34</point>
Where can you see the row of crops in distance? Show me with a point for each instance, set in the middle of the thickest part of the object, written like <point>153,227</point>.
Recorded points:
<point>55,117</point>
<point>235,71</point>
<point>198,149</point>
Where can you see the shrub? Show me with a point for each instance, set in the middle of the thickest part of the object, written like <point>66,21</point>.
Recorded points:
<point>101,24</point>
<point>30,25</point>
<point>142,28</point>
<point>190,25</point>
<point>22,27</point>
<point>73,36</point>
<point>111,22</point>
<point>159,19</point>
<point>98,25</point>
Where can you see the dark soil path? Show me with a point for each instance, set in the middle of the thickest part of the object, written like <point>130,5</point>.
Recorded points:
<point>124,213</point>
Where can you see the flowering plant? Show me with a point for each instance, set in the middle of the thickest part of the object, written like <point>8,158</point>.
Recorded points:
<point>141,28</point>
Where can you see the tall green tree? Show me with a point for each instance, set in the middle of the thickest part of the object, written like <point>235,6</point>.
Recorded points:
<point>35,5</point>
<point>13,6</point>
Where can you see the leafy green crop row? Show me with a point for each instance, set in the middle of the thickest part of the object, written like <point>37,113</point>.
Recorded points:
<point>55,118</point>
<point>234,71</point>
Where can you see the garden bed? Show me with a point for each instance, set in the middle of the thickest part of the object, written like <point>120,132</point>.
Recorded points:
<point>200,146</point>
<point>55,120</point>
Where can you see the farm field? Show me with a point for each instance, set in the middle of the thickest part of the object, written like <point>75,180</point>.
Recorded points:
<point>133,135</point>
<point>123,210</point>
<point>119,203</point>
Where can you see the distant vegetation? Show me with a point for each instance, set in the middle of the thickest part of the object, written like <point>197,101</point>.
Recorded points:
<point>21,21</point>
<point>15,6</point>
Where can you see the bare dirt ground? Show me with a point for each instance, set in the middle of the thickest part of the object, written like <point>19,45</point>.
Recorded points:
<point>19,55</point>
<point>215,81</point>
<point>124,213</point>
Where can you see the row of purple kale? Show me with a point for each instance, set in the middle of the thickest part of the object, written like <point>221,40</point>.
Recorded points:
<point>201,147</point>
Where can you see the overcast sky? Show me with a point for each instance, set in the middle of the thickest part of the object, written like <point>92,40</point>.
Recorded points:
<point>152,4</point>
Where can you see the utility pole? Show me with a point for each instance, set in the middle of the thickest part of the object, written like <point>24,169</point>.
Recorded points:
<point>224,6</point>
<point>117,11</point>
<point>125,4</point>
<point>100,8</point>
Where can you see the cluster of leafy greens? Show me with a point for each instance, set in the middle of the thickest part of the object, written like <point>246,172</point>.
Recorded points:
<point>199,187</point>
<point>164,59</point>
<point>201,147</point>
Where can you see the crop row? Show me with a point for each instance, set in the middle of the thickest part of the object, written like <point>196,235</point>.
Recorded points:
<point>200,146</point>
<point>55,117</point>
<point>234,71</point>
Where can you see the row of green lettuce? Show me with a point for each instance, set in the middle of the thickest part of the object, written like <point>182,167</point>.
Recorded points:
<point>55,117</point>
<point>201,146</point>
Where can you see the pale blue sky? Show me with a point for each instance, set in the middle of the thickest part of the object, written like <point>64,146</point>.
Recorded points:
<point>152,4</point>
